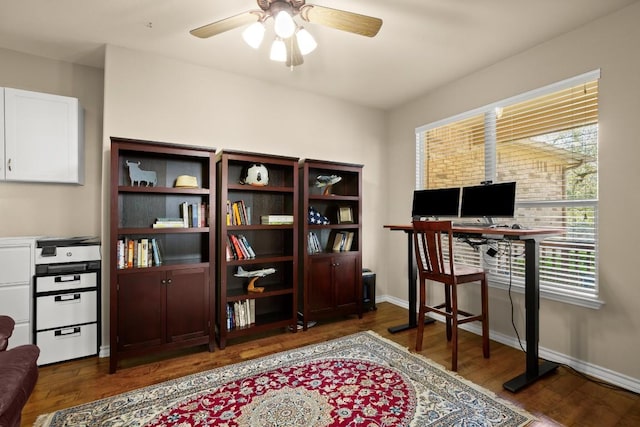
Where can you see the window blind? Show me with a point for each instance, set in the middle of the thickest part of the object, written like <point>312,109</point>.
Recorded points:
<point>546,141</point>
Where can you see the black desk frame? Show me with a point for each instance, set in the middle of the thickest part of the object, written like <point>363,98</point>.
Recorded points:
<point>534,369</point>
<point>412,276</point>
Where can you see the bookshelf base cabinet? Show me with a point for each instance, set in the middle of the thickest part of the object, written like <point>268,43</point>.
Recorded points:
<point>162,248</point>
<point>159,308</point>
<point>331,241</point>
<point>332,285</point>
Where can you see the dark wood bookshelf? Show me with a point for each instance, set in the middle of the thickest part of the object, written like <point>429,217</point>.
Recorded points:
<point>330,281</point>
<point>161,307</point>
<point>275,246</point>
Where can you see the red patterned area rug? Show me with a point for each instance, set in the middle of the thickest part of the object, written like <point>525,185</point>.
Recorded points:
<point>358,380</point>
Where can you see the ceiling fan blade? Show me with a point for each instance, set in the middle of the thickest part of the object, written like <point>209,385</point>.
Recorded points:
<point>294,56</point>
<point>225,24</point>
<point>341,20</point>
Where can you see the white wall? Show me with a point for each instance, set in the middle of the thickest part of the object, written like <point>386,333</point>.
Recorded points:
<point>32,209</point>
<point>607,338</point>
<point>155,98</point>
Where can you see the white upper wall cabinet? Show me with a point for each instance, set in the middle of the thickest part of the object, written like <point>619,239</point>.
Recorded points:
<point>43,138</point>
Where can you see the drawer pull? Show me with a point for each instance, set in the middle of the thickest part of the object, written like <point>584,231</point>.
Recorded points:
<point>70,278</point>
<point>67,332</point>
<point>65,298</point>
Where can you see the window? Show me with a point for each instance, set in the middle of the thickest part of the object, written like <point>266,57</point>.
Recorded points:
<point>547,141</point>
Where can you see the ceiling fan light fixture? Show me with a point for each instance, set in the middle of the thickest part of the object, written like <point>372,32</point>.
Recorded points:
<point>284,25</point>
<point>254,34</point>
<point>306,42</point>
<point>278,50</point>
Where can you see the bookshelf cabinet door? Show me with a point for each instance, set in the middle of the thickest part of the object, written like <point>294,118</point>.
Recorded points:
<point>320,285</point>
<point>187,304</point>
<point>141,302</point>
<point>346,275</point>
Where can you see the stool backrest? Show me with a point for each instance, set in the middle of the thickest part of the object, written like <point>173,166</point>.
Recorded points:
<point>428,237</point>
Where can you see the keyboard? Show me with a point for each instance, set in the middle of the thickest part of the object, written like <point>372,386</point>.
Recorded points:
<point>469,224</point>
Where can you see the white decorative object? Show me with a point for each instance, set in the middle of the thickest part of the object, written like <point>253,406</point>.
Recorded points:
<point>257,174</point>
<point>138,176</point>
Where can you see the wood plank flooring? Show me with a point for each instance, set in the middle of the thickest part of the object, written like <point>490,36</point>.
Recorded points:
<point>563,398</point>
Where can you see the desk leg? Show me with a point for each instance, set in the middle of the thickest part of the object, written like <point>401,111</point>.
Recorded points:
<point>534,369</point>
<point>412,274</point>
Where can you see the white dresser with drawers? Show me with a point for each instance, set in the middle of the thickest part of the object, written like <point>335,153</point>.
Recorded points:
<point>17,267</point>
<point>67,298</point>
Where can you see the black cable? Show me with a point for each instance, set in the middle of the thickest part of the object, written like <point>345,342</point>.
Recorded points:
<point>574,371</point>
<point>513,323</point>
<point>568,367</point>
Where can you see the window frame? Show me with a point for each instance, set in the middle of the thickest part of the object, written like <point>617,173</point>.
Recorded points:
<point>586,299</point>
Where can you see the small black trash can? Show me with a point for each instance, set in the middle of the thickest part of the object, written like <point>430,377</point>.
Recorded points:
<point>368,290</point>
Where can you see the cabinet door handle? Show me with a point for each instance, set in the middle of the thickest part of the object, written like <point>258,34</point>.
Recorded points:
<point>9,165</point>
<point>66,332</point>
<point>69,297</point>
<point>61,279</point>
<point>164,282</point>
<point>169,282</point>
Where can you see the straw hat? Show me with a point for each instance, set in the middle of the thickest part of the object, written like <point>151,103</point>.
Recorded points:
<point>187,181</point>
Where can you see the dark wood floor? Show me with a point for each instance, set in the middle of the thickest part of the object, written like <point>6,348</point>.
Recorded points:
<point>563,398</point>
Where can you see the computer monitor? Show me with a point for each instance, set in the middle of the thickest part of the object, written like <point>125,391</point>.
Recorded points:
<point>489,201</point>
<point>435,202</point>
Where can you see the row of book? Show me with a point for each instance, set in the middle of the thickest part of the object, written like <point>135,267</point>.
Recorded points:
<point>238,247</point>
<point>343,241</point>
<point>241,314</point>
<point>137,253</point>
<point>191,215</point>
<point>238,213</point>
<point>313,244</point>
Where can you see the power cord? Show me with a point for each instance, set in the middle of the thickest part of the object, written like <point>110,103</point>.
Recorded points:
<point>513,323</point>
<point>564,365</point>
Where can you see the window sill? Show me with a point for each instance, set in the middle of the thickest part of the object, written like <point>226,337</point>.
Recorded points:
<point>581,300</point>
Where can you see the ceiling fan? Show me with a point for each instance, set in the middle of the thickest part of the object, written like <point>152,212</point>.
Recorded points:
<point>292,40</point>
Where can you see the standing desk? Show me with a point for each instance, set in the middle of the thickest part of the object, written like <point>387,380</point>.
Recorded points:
<point>531,238</point>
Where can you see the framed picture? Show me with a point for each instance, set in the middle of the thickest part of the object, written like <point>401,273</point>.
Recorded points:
<point>345,215</point>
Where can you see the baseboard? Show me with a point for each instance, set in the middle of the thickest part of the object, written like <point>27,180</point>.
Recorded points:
<point>104,351</point>
<point>604,374</point>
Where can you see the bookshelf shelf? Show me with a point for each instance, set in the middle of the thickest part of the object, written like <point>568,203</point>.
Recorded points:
<point>240,207</point>
<point>166,230</point>
<point>330,280</point>
<point>162,289</point>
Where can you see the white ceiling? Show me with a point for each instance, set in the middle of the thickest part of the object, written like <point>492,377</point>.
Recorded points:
<point>422,43</point>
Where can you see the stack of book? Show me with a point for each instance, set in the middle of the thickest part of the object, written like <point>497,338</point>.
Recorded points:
<point>314,244</point>
<point>169,223</point>
<point>343,241</point>
<point>138,253</point>
<point>238,213</point>
<point>241,314</point>
<point>238,247</point>
<point>276,219</point>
